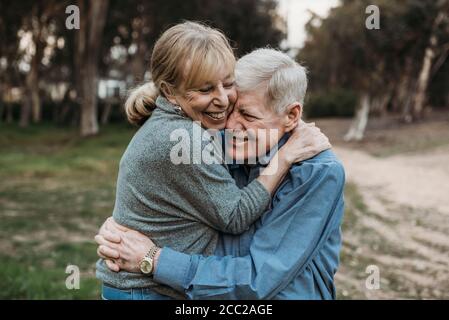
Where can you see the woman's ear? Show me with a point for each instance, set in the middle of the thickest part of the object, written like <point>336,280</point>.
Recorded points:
<point>293,116</point>
<point>168,93</point>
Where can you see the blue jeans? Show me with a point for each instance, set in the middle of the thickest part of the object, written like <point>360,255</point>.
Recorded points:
<point>111,293</point>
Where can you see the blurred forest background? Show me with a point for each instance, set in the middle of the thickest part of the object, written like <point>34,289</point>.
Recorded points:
<point>382,96</point>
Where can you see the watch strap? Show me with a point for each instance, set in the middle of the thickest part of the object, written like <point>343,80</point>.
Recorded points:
<point>152,252</point>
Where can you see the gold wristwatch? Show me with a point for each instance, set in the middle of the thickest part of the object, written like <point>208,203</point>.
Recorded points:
<point>147,263</point>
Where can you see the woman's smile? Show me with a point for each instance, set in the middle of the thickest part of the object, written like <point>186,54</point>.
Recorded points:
<point>219,116</point>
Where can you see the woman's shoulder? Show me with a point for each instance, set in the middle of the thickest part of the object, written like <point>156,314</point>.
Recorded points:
<point>160,134</point>
<point>163,119</point>
<point>164,127</point>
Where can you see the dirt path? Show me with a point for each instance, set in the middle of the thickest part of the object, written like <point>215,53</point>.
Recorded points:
<point>418,181</point>
<point>402,226</point>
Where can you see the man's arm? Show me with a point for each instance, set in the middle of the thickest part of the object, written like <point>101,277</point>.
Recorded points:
<point>304,214</point>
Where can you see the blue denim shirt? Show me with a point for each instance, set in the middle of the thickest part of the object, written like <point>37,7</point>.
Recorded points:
<point>291,252</point>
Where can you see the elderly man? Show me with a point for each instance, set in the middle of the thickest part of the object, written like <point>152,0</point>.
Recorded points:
<point>292,252</point>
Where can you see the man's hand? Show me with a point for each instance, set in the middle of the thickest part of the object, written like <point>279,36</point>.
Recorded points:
<point>121,247</point>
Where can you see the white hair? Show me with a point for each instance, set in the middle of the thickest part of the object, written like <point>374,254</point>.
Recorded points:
<point>283,79</point>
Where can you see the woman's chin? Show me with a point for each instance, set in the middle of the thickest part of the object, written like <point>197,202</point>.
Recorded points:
<point>214,126</point>
<point>209,123</point>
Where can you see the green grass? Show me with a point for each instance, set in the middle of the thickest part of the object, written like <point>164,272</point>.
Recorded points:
<point>55,190</point>
<point>34,275</point>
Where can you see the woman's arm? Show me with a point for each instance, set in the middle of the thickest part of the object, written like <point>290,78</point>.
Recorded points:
<point>272,261</point>
<point>305,142</point>
<point>315,210</point>
<point>215,199</point>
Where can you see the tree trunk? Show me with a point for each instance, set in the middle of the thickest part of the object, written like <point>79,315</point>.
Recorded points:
<point>32,78</point>
<point>66,105</point>
<point>423,80</point>
<point>138,61</point>
<point>357,130</point>
<point>78,70</point>
<point>106,113</point>
<point>380,103</point>
<point>96,18</point>
<point>32,82</point>
<point>6,98</point>
<point>141,27</point>
<point>25,111</point>
<point>9,115</point>
<point>407,100</point>
<point>426,67</point>
<point>404,91</point>
<point>138,65</point>
<point>89,121</point>
<point>2,100</point>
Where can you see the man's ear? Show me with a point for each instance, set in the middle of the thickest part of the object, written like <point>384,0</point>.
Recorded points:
<point>293,116</point>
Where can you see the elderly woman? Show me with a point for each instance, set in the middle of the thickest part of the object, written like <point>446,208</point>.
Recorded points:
<point>183,206</point>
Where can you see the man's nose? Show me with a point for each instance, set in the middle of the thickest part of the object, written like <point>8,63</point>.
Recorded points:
<point>233,122</point>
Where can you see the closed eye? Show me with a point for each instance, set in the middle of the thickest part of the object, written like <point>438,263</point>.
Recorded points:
<point>205,89</point>
<point>229,85</point>
<point>249,116</point>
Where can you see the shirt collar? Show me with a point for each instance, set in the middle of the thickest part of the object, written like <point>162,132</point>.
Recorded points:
<point>264,160</point>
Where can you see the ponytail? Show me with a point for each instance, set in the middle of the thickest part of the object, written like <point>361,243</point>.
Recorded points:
<point>140,103</point>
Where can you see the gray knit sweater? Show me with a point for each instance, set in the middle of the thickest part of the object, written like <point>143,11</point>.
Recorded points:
<point>181,206</point>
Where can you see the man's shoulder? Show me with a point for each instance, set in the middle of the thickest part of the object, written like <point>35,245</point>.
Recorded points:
<point>324,165</point>
<point>320,179</point>
<point>323,158</point>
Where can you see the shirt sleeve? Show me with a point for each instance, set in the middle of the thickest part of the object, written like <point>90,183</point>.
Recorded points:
<point>304,214</point>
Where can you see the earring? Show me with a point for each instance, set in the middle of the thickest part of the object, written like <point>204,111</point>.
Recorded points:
<point>179,110</point>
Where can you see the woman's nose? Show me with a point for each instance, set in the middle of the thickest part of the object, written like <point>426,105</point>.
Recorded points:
<point>221,97</point>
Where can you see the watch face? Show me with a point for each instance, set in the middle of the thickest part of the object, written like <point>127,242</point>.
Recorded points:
<point>146,266</point>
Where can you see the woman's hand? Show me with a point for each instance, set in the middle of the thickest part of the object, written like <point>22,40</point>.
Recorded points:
<point>305,142</point>
<point>121,247</point>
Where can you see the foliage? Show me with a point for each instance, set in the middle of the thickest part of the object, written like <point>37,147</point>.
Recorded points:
<point>342,53</point>
<point>333,103</point>
<point>131,29</point>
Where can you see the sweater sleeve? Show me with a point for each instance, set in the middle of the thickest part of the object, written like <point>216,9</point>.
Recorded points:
<point>213,196</point>
<point>216,199</point>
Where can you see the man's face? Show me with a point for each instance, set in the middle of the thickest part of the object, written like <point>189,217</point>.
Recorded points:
<point>257,129</point>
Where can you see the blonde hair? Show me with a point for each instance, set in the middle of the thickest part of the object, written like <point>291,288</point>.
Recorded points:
<point>184,57</point>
